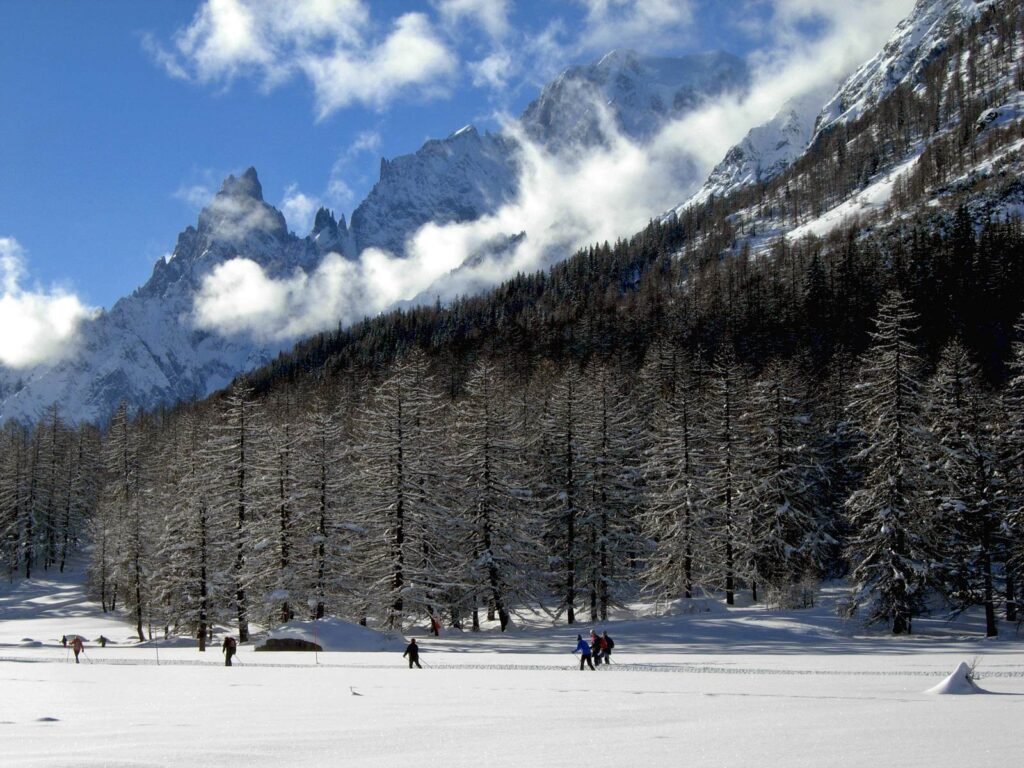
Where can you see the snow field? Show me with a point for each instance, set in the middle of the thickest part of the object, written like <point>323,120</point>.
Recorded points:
<point>254,715</point>
<point>722,687</point>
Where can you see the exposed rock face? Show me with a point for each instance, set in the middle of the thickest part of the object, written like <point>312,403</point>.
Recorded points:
<point>459,178</point>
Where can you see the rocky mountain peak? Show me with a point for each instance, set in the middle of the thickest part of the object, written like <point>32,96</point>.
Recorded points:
<point>247,185</point>
<point>324,222</point>
<point>238,211</point>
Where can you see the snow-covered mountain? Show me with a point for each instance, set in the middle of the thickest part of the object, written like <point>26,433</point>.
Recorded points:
<point>145,350</point>
<point>640,94</point>
<point>769,149</point>
<point>916,41</point>
<point>454,179</point>
<point>959,76</point>
<point>467,175</point>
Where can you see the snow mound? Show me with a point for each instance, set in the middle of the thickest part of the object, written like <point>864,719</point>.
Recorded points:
<point>958,683</point>
<point>338,635</point>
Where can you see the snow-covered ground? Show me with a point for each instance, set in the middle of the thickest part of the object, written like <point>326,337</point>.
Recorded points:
<point>737,687</point>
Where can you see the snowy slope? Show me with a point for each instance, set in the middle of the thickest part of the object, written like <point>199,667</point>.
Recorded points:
<point>917,39</point>
<point>766,150</point>
<point>769,149</point>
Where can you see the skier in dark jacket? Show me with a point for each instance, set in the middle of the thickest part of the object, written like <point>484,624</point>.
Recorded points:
<point>584,650</point>
<point>607,644</point>
<point>413,652</point>
<point>596,647</point>
<point>229,647</point>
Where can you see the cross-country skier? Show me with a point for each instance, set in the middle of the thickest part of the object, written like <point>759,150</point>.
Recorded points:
<point>607,644</point>
<point>413,652</point>
<point>584,650</point>
<point>77,646</point>
<point>229,647</point>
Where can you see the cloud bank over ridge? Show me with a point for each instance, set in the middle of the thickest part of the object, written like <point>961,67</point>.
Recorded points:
<point>564,202</point>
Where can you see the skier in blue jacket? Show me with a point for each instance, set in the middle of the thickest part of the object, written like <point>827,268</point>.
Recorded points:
<point>584,650</point>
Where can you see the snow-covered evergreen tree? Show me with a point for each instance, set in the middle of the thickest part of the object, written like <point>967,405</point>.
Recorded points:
<point>490,497</point>
<point>561,487</point>
<point>230,454</point>
<point>787,536</point>
<point>325,469</point>
<point>892,549</point>
<point>405,557</point>
<point>1011,465</point>
<point>726,480</point>
<point>675,516</point>
<point>965,484</point>
<point>610,432</point>
<point>122,502</point>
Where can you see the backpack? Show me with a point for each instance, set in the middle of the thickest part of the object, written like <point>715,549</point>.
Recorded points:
<point>230,643</point>
<point>611,643</point>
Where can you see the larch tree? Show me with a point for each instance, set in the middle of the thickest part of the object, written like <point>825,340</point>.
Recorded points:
<point>561,487</point>
<point>892,548</point>
<point>397,513</point>
<point>231,455</point>
<point>490,498</point>
<point>964,484</point>
<point>726,480</point>
<point>674,512</point>
<point>610,430</point>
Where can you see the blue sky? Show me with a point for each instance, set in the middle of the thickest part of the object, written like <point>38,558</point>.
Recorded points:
<point>121,117</point>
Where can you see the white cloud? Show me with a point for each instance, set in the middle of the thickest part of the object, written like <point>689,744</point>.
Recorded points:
<point>299,209</point>
<point>563,202</point>
<point>411,55</point>
<point>494,71</point>
<point>365,141</point>
<point>491,15</point>
<point>195,195</point>
<point>333,43</point>
<point>39,325</point>
<point>642,24</point>
<point>238,297</point>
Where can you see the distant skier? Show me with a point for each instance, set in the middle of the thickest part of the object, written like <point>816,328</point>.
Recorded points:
<point>413,652</point>
<point>64,640</point>
<point>607,645</point>
<point>102,641</point>
<point>229,648</point>
<point>596,648</point>
<point>435,626</point>
<point>77,646</point>
<point>584,650</point>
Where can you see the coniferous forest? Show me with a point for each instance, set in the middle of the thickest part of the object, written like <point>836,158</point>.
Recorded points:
<point>623,423</point>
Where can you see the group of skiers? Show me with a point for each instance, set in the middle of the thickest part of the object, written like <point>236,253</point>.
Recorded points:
<point>597,650</point>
